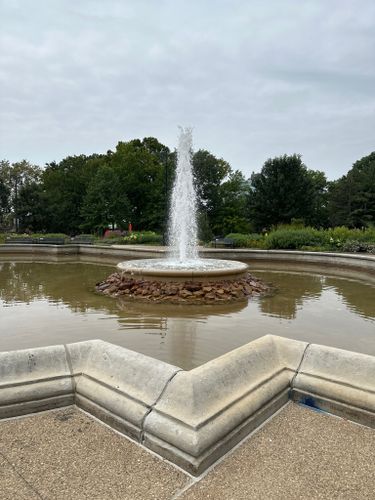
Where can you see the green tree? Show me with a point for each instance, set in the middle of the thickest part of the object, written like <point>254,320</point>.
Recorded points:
<point>141,166</point>
<point>318,216</point>
<point>15,176</point>
<point>65,184</point>
<point>352,197</point>
<point>105,203</point>
<point>234,194</point>
<point>4,201</point>
<point>31,208</point>
<point>210,172</point>
<point>282,191</point>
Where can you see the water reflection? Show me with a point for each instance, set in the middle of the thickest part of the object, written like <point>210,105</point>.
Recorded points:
<point>48,303</point>
<point>362,304</point>
<point>295,289</point>
<point>292,290</point>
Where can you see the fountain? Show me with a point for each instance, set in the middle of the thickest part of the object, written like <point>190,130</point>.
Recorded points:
<point>183,275</point>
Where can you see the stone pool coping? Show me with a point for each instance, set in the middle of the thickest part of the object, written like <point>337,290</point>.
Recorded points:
<point>349,260</point>
<point>191,418</point>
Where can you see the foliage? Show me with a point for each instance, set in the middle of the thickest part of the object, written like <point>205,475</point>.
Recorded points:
<point>13,178</point>
<point>221,195</point>
<point>284,190</point>
<point>105,203</point>
<point>358,246</point>
<point>293,239</point>
<point>33,236</point>
<point>252,240</point>
<point>30,207</point>
<point>297,237</point>
<point>352,197</point>
<point>4,201</point>
<point>133,184</point>
<point>145,237</point>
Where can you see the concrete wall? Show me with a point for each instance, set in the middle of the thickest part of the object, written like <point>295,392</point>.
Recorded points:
<point>190,417</point>
<point>117,252</point>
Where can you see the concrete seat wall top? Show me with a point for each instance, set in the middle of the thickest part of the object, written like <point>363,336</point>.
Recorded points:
<point>337,381</point>
<point>34,380</point>
<point>190,417</point>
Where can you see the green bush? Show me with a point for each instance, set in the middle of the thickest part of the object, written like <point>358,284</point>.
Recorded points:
<point>358,246</point>
<point>143,237</point>
<point>45,235</point>
<point>3,236</point>
<point>253,240</point>
<point>294,239</point>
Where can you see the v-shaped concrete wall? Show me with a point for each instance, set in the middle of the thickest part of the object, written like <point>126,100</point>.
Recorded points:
<point>190,417</point>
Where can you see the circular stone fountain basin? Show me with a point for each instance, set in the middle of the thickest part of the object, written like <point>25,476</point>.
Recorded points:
<point>174,270</point>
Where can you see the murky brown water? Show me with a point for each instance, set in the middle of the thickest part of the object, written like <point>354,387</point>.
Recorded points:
<point>54,302</point>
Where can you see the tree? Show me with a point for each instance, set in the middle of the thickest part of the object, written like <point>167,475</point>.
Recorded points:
<point>234,194</point>
<point>352,197</point>
<point>4,201</point>
<point>318,216</point>
<point>209,173</point>
<point>15,176</point>
<point>64,185</point>
<point>141,167</point>
<point>282,191</point>
<point>105,203</point>
<point>31,208</point>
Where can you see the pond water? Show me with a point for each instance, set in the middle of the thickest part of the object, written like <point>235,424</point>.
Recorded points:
<point>44,303</point>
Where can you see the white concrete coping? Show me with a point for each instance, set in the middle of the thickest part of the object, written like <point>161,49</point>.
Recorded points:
<point>189,417</point>
<point>33,379</point>
<point>333,377</point>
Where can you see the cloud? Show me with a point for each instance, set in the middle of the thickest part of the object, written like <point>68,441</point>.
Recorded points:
<point>255,79</point>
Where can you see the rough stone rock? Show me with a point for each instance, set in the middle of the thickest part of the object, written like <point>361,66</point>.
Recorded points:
<point>192,287</point>
<point>181,292</point>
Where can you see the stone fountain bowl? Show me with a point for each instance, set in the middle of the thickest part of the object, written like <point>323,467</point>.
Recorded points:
<point>189,270</point>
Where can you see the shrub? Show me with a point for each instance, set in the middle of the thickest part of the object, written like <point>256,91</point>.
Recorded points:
<point>294,239</point>
<point>253,240</point>
<point>143,237</point>
<point>358,246</point>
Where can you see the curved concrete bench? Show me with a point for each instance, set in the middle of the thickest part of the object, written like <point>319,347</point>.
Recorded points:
<point>189,417</point>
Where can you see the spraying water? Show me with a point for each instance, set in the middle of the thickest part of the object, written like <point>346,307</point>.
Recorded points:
<point>182,231</point>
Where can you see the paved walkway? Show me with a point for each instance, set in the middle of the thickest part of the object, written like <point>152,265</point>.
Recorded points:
<point>299,454</point>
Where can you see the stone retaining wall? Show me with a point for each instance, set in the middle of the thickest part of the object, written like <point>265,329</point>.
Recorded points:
<point>189,417</point>
<point>118,252</point>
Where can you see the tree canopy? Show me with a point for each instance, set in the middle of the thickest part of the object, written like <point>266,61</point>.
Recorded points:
<point>133,184</point>
<point>284,190</point>
<point>352,197</point>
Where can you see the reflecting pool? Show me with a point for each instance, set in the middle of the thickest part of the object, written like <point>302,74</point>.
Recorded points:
<point>44,303</point>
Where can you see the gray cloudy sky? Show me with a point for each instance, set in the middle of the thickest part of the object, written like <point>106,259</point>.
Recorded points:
<point>254,78</point>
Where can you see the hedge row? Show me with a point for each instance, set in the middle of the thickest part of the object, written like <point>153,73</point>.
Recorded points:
<point>308,238</point>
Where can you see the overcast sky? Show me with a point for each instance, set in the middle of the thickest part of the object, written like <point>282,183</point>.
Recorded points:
<point>255,79</point>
